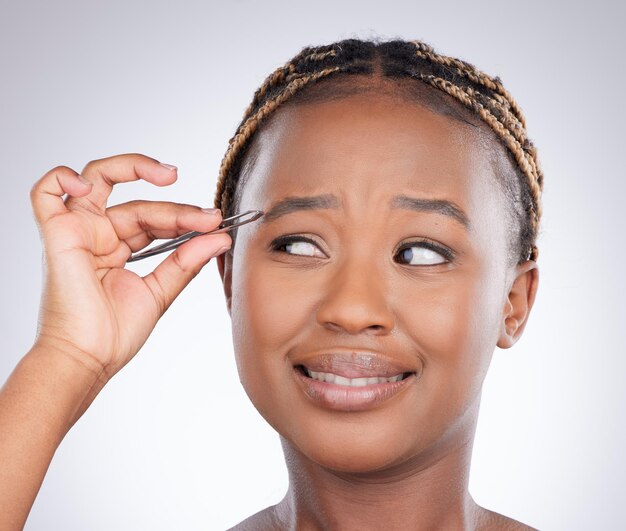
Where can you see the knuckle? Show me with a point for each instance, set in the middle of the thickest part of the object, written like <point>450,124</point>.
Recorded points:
<point>137,156</point>
<point>60,169</point>
<point>132,157</point>
<point>94,167</point>
<point>33,191</point>
<point>177,261</point>
<point>136,203</point>
<point>160,299</point>
<point>54,172</point>
<point>189,272</point>
<point>91,166</point>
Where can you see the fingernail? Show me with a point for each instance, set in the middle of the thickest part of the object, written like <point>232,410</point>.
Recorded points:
<point>84,181</point>
<point>222,249</point>
<point>168,166</point>
<point>210,210</point>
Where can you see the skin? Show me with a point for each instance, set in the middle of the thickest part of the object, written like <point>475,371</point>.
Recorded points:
<point>403,464</point>
<point>348,470</point>
<point>86,246</point>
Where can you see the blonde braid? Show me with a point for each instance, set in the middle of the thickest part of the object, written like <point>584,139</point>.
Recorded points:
<point>523,156</point>
<point>273,79</point>
<point>473,74</point>
<point>286,72</point>
<point>252,123</point>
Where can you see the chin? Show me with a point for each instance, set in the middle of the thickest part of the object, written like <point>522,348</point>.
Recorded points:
<point>357,459</point>
<point>355,444</point>
<point>384,434</point>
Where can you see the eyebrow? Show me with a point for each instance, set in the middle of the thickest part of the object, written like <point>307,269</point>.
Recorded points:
<point>439,206</point>
<point>293,204</point>
<point>329,201</point>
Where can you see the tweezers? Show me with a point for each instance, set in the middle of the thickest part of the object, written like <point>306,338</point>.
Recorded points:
<point>170,245</point>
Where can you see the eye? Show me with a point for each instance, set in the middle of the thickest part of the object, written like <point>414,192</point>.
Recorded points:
<point>416,253</point>
<point>425,253</point>
<point>296,245</point>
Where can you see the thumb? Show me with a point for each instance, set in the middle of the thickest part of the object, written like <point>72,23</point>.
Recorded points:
<point>173,274</point>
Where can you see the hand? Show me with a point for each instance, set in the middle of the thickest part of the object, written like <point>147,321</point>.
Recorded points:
<point>92,308</point>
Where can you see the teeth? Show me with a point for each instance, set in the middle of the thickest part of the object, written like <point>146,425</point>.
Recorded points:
<point>329,377</point>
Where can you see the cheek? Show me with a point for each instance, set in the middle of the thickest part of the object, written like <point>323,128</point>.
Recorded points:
<point>453,324</point>
<point>269,308</point>
<point>270,311</point>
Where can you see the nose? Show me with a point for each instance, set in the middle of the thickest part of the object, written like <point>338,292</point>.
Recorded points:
<point>356,300</point>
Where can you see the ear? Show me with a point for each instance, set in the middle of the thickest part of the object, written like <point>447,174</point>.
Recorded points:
<point>225,267</point>
<point>518,304</point>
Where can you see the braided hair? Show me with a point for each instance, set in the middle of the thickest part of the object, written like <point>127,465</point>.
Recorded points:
<point>337,69</point>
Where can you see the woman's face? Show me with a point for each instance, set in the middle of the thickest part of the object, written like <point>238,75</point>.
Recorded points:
<point>395,268</point>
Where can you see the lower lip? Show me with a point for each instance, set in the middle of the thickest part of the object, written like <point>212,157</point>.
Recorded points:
<point>347,398</point>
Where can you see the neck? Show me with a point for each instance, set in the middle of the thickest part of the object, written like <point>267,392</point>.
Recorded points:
<point>428,491</point>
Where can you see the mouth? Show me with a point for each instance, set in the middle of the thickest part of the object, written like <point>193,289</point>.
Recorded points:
<point>352,381</point>
<point>363,381</point>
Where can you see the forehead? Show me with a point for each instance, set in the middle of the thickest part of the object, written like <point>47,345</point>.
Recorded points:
<point>366,148</point>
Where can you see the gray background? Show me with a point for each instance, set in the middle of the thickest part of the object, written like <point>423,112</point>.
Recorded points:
<point>172,442</point>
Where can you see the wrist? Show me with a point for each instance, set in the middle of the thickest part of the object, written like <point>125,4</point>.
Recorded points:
<point>67,375</point>
<point>51,347</point>
<point>42,398</point>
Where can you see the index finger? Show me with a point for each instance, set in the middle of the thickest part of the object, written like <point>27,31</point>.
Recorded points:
<point>105,173</point>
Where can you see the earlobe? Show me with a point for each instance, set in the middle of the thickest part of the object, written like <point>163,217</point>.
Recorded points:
<point>224,265</point>
<point>519,302</point>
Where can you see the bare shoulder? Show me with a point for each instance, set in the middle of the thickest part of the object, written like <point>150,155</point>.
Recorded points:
<point>490,520</point>
<point>264,520</point>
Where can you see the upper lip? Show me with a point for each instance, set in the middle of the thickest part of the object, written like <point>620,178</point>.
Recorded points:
<point>354,363</point>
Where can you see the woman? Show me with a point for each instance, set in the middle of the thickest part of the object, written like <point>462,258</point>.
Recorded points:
<point>401,201</point>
